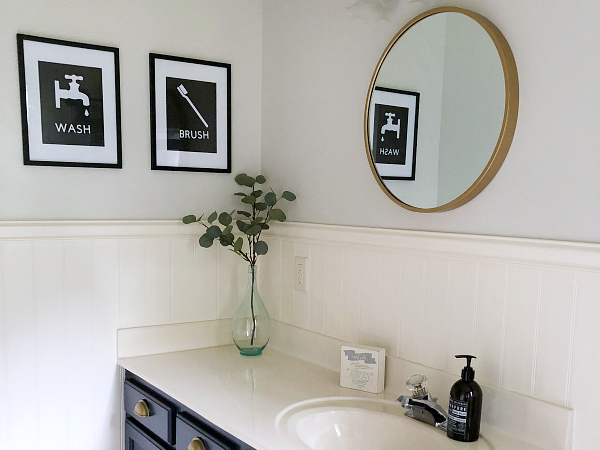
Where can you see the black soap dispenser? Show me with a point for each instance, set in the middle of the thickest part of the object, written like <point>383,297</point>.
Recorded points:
<point>464,411</point>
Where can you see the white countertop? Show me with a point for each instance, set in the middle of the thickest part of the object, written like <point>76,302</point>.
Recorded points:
<point>244,395</point>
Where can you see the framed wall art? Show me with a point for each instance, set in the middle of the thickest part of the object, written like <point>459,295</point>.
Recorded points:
<point>70,103</point>
<point>190,109</point>
<point>394,116</point>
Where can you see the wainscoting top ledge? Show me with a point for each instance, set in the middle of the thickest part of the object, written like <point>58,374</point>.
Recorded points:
<point>579,255</point>
<point>85,229</point>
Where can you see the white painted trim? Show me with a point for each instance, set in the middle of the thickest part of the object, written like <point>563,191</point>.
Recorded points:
<point>574,255</point>
<point>177,337</point>
<point>85,229</point>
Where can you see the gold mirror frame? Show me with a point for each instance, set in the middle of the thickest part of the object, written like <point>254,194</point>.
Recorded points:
<point>509,122</point>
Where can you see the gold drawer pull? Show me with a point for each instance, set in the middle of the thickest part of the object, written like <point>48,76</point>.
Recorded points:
<point>196,444</point>
<point>141,409</point>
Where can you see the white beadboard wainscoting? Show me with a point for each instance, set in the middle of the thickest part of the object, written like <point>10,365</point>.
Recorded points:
<point>528,309</point>
<point>65,288</point>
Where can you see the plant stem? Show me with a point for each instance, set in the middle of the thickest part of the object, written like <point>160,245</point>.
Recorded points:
<point>251,242</point>
<point>253,275</point>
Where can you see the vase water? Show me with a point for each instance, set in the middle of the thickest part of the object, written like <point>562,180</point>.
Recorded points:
<point>251,325</point>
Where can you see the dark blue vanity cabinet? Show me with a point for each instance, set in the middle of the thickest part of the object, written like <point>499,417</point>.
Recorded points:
<point>155,421</point>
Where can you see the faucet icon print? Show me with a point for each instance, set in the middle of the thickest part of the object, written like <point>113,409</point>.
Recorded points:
<point>72,93</point>
<point>391,126</point>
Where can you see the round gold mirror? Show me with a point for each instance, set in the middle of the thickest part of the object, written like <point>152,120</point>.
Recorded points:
<point>441,110</point>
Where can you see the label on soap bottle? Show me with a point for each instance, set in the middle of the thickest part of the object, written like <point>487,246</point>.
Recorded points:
<point>457,417</point>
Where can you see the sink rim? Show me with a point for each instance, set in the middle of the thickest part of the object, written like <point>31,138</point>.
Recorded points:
<point>287,420</point>
<point>322,401</point>
<point>289,417</point>
<point>304,405</point>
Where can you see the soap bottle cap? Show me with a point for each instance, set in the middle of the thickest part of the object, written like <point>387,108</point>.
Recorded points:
<point>467,374</point>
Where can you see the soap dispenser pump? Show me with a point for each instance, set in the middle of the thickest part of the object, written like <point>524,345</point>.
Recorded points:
<point>464,411</point>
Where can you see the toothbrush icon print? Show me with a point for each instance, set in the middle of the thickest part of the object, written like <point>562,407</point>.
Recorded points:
<point>183,91</point>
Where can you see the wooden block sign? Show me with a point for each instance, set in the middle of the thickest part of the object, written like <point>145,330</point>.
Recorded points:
<point>363,368</point>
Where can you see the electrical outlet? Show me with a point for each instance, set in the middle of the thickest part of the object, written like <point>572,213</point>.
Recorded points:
<point>300,274</point>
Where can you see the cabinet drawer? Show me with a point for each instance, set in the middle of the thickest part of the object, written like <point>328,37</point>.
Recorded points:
<point>161,414</point>
<point>135,439</point>
<point>188,429</point>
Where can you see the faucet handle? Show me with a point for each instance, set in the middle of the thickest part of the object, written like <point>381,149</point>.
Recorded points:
<point>417,385</point>
<point>74,78</point>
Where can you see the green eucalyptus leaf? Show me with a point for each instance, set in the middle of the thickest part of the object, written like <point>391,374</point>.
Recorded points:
<point>257,193</point>
<point>205,241</point>
<point>226,239</point>
<point>260,206</point>
<point>237,246</point>
<point>241,179</point>
<point>260,179</point>
<point>244,180</point>
<point>189,219</point>
<point>245,213</point>
<point>242,226</point>
<point>214,231</point>
<point>289,196</point>
<point>228,229</point>
<point>241,194</point>
<point>212,217</point>
<point>253,231</point>
<point>261,248</point>
<point>264,226</point>
<point>250,200</point>
<point>270,198</point>
<point>277,214</point>
<point>224,218</point>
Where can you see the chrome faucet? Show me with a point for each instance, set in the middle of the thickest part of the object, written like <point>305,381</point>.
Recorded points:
<point>72,93</point>
<point>421,405</point>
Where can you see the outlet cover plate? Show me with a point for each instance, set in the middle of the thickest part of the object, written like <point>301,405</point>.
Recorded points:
<point>300,273</point>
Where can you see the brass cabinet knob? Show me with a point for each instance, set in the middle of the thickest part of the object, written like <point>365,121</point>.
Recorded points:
<point>196,444</point>
<point>141,409</point>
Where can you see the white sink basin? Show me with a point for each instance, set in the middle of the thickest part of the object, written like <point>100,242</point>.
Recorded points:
<point>349,423</point>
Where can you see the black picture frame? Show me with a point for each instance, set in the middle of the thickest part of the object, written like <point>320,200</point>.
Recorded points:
<point>190,114</point>
<point>70,124</point>
<point>394,120</point>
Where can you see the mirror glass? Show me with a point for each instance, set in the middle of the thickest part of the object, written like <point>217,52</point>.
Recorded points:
<point>437,124</point>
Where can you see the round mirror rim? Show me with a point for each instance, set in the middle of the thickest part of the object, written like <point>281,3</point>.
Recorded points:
<point>509,122</point>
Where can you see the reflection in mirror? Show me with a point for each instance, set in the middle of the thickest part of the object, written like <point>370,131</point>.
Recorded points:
<point>438,111</point>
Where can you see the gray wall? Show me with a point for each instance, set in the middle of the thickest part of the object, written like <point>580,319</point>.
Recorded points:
<point>227,31</point>
<point>317,64</point>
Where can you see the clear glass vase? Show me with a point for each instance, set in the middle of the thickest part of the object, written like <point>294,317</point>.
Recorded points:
<point>251,327</point>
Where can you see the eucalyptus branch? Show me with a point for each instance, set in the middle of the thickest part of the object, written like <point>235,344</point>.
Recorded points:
<point>250,223</point>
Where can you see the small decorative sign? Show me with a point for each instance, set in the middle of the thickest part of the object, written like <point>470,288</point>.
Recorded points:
<point>190,114</point>
<point>70,109</point>
<point>363,368</point>
<point>394,115</point>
